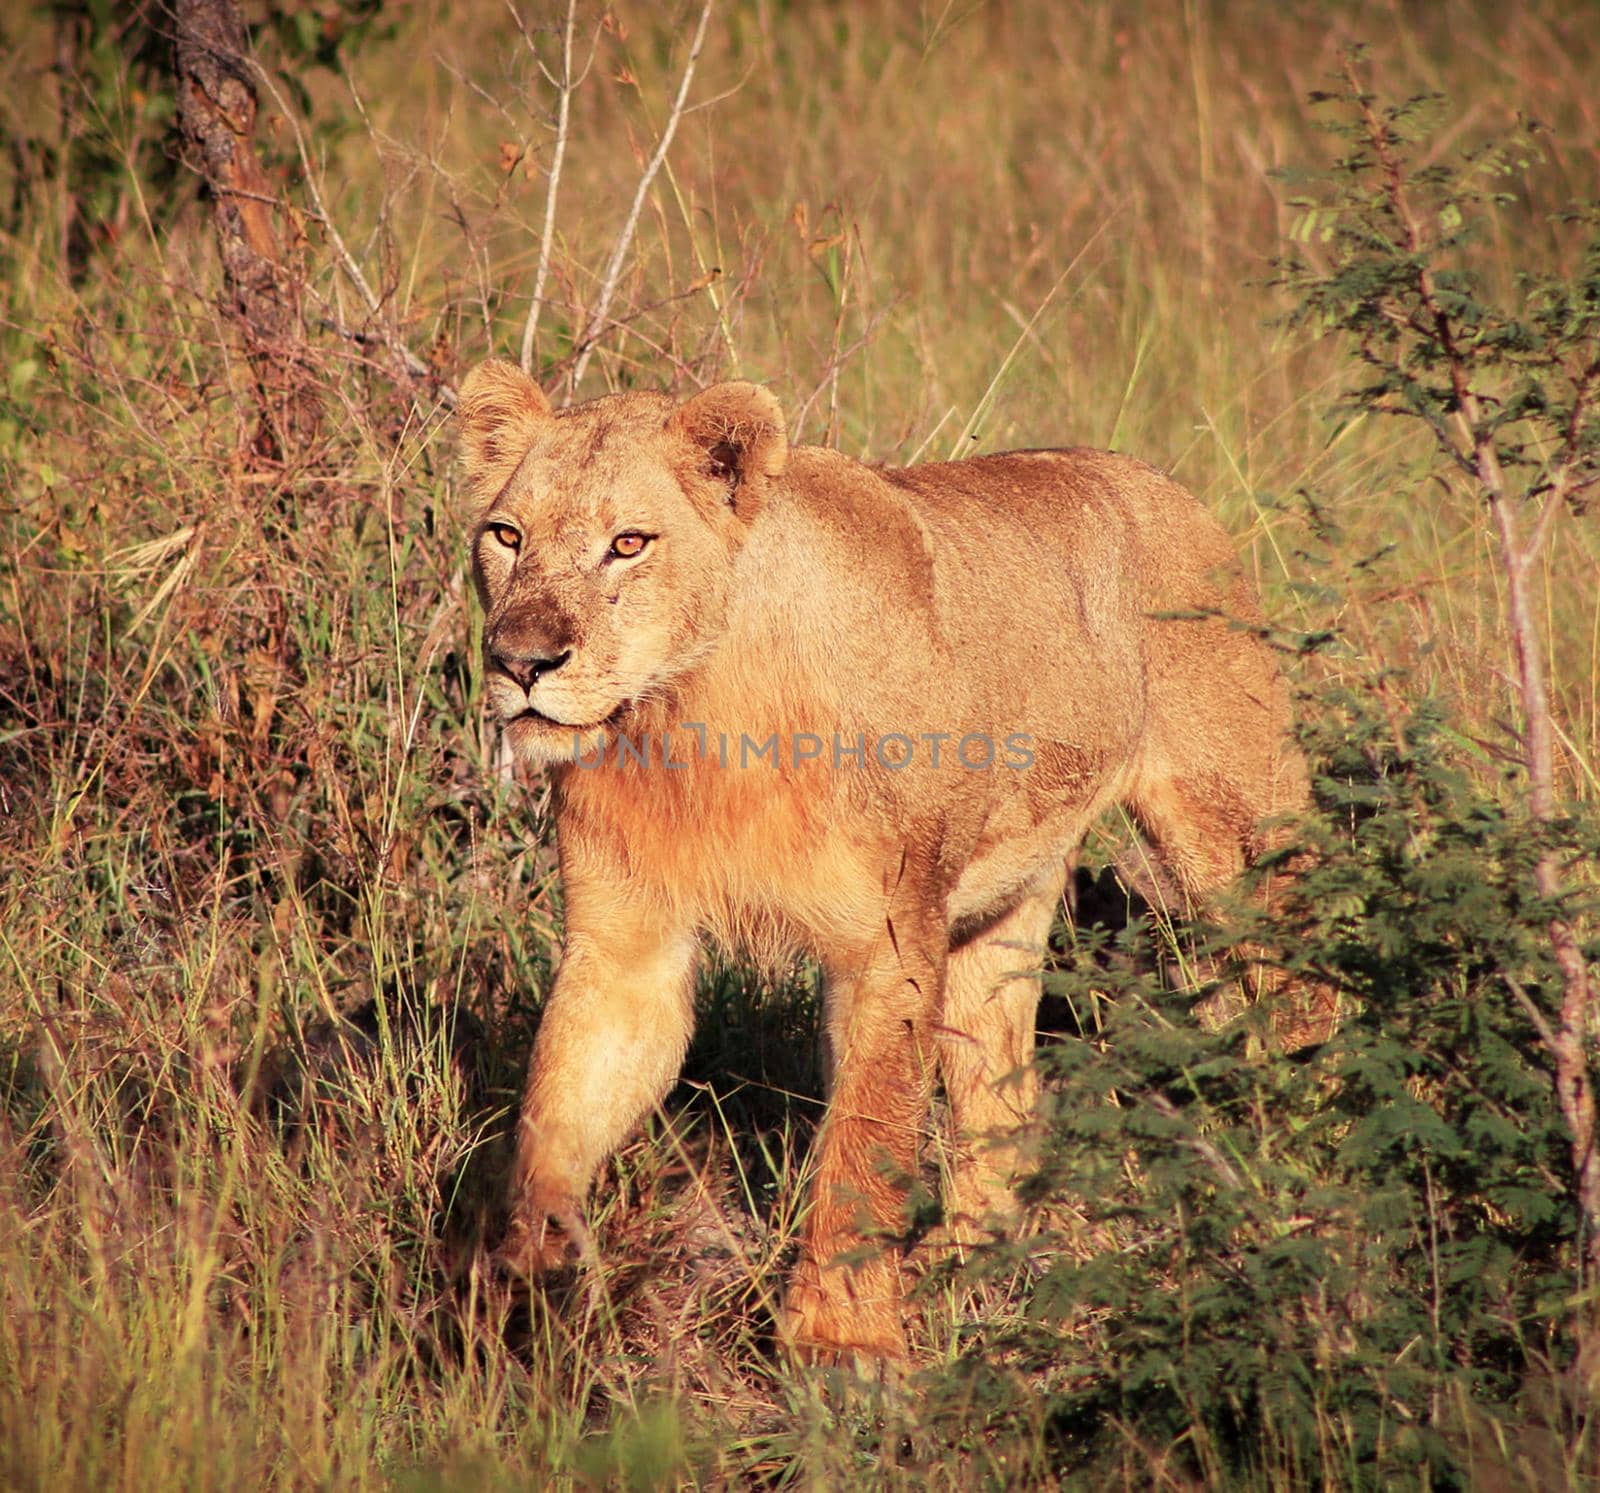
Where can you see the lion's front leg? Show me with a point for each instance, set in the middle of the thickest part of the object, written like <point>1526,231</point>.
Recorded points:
<point>613,1036</point>
<point>845,1295</point>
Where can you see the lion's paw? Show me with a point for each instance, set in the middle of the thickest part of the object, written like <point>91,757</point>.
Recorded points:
<point>850,1318</point>
<point>541,1242</point>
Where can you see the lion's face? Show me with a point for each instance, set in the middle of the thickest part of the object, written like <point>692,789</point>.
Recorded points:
<point>601,584</point>
<point>605,547</point>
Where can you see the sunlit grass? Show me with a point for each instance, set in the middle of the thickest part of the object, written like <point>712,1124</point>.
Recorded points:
<point>246,783</point>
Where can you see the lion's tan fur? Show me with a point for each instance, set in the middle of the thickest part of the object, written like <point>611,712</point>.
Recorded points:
<point>1075,599</point>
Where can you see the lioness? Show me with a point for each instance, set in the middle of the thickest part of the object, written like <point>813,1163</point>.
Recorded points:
<point>796,701</point>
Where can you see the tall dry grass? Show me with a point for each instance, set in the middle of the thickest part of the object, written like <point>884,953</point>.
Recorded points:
<point>249,792</point>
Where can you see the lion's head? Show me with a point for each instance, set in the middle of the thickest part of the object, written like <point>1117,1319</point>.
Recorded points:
<point>605,542</point>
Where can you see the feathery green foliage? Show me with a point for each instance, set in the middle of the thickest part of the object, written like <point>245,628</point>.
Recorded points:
<point>1329,1264</point>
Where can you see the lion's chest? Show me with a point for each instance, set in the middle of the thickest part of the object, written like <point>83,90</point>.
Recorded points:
<point>754,854</point>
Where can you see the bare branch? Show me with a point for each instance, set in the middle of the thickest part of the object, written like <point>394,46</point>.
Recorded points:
<point>1205,1149</point>
<point>1554,502</point>
<point>619,251</point>
<point>547,235</point>
<point>1564,487</point>
<point>1546,1033</point>
<point>632,318</point>
<point>408,361</point>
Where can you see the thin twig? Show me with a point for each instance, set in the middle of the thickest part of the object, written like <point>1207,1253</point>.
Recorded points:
<point>1535,1016</point>
<point>547,235</point>
<point>408,360</point>
<point>982,406</point>
<point>679,367</point>
<point>619,251</point>
<point>1554,501</point>
<point>841,356</point>
<point>1565,487</point>
<point>1206,1150</point>
<point>445,391</point>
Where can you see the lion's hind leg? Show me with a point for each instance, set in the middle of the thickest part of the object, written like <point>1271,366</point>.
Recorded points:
<point>985,1040</point>
<point>1219,774</point>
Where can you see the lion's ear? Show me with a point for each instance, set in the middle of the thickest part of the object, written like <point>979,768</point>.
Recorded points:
<point>736,434</point>
<point>500,409</point>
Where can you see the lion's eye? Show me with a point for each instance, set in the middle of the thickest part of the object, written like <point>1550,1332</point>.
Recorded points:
<point>504,534</point>
<point>626,546</point>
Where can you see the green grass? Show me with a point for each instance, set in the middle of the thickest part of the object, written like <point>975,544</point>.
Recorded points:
<point>247,784</point>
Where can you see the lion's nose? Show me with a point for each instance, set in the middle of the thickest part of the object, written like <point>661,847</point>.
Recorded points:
<point>526,668</point>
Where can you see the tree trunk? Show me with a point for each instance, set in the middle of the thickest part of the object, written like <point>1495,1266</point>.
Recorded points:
<point>1571,1040</point>
<point>217,115</point>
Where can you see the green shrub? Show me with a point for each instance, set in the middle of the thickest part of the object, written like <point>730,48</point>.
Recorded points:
<point>1307,1266</point>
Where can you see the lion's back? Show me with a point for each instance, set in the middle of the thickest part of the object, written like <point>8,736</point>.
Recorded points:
<point>1091,540</point>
